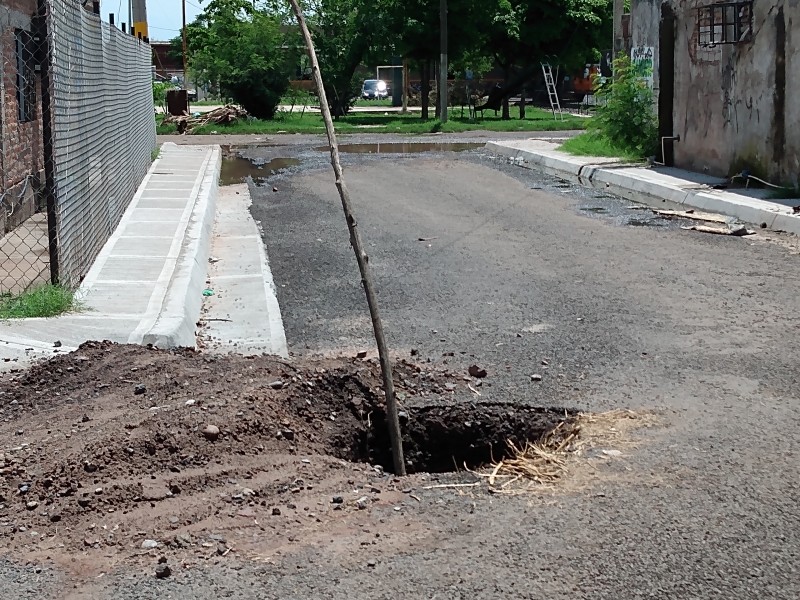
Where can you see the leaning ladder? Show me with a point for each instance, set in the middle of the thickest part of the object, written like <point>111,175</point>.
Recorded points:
<point>552,93</point>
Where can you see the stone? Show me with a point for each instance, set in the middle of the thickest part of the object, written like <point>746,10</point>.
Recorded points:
<point>149,544</point>
<point>221,549</point>
<point>55,518</point>
<point>362,503</point>
<point>277,385</point>
<point>163,571</point>
<point>477,372</point>
<point>337,500</point>
<point>211,432</point>
<point>32,505</point>
<point>182,540</point>
<point>362,354</point>
<point>536,377</point>
<point>140,389</point>
<point>276,512</point>
<point>372,563</point>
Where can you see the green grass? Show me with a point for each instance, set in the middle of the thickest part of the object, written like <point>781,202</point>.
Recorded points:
<point>785,193</point>
<point>536,120</point>
<point>43,301</point>
<point>593,143</point>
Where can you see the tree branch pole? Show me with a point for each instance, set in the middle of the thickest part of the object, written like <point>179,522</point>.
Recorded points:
<point>358,248</point>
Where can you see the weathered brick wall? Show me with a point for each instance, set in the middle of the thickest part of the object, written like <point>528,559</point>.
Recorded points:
<point>20,143</point>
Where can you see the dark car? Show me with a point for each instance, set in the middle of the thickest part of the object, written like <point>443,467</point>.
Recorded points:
<point>374,89</point>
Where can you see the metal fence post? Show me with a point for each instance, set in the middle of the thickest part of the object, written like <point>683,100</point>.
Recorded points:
<point>44,59</point>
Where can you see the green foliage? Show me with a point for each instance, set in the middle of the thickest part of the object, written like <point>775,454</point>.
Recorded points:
<point>43,301</point>
<point>160,93</point>
<point>241,49</point>
<point>625,114</point>
<point>594,143</point>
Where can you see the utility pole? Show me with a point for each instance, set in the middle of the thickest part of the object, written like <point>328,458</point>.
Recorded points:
<point>183,34</point>
<point>139,16</point>
<point>443,61</point>
<point>619,40</point>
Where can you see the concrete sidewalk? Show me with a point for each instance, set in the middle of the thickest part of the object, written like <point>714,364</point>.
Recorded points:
<point>146,284</point>
<point>651,186</point>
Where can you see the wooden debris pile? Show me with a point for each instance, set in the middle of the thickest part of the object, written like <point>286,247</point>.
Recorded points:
<point>224,115</point>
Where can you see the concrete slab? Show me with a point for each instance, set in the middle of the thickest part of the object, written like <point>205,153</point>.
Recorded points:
<point>243,315</point>
<point>649,185</point>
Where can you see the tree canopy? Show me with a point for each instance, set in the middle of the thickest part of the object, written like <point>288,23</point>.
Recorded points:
<point>251,48</point>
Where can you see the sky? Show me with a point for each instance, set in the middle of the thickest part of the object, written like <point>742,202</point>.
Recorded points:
<point>163,16</point>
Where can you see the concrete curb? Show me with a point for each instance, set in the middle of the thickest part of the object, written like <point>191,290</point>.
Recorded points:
<point>648,186</point>
<point>175,325</point>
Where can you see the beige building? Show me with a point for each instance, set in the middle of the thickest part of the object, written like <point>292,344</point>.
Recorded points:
<point>727,79</point>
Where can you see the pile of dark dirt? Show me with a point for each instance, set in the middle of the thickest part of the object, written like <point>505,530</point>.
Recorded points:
<point>112,443</point>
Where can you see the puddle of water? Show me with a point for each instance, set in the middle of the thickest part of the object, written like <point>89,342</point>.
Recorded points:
<point>404,147</point>
<point>594,209</point>
<point>236,169</point>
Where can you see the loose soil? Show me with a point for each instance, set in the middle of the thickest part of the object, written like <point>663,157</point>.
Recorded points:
<point>120,451</point>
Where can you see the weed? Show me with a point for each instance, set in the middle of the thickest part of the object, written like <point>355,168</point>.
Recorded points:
<point>43,301</point>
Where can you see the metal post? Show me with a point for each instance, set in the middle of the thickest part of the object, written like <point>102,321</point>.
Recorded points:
<point>443,61</point>
<point>183,35</point>
<point>45,60</point>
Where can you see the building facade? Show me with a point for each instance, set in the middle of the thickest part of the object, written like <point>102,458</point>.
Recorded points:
<point>726,78</point>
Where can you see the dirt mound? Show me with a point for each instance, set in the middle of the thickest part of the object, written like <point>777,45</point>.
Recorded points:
<point>113,443</point>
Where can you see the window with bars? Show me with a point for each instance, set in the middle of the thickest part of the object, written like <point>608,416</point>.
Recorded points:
<point>725,23</point>
<point>26,82</point>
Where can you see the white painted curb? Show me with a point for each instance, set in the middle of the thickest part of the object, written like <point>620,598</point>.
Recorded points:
<point>629,182</point>
<point>176,323</point>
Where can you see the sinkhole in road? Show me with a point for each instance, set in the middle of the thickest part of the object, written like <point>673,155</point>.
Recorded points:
<point>236,169</point>
<point>404,147</point>
<point>442,439</point>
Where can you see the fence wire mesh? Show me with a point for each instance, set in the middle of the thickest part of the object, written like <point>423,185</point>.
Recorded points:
<point>77,132</point>
<point>24,256</point>
<point>103,129</point>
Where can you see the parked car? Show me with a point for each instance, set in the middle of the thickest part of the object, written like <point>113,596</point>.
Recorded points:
<point>374,89</point>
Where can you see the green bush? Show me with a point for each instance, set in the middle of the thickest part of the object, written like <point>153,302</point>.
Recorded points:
<point>625,114</point>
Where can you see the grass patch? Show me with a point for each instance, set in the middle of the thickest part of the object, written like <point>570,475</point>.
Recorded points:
<point>785,193</point>
<point>43,301</point>
<point>594,143</point>
<point>284,122</point>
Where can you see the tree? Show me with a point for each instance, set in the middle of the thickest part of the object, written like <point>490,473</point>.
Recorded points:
<point>241,48</point>
<point>521,33</point>
<point>344,32</point>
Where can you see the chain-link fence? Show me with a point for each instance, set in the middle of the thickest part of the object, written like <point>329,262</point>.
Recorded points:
<point>77,135</point>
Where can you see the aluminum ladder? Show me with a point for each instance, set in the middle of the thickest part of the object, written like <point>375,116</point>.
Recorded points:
<point>552,93</point>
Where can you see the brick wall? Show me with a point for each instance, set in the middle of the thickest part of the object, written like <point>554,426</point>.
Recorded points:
<point>21,161</point>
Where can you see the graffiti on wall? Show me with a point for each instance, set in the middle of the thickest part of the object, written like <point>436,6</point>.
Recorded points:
<point>642,60</point>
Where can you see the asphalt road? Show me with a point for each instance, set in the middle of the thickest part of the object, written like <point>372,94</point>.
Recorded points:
<point>629,312</point>
<point>702,327</point>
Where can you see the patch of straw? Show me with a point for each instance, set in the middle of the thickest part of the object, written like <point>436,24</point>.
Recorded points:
<point>544,461</point>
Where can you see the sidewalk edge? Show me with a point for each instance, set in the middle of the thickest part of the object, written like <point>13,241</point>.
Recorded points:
<point>626,185</point>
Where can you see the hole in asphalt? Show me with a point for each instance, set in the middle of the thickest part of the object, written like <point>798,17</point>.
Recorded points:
<point>442,439</point>
<point>236,169</point>
<point>643,223</point>
<point>404,148</point>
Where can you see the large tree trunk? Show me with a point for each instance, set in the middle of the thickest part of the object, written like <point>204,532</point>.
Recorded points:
<point>425,89</point>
